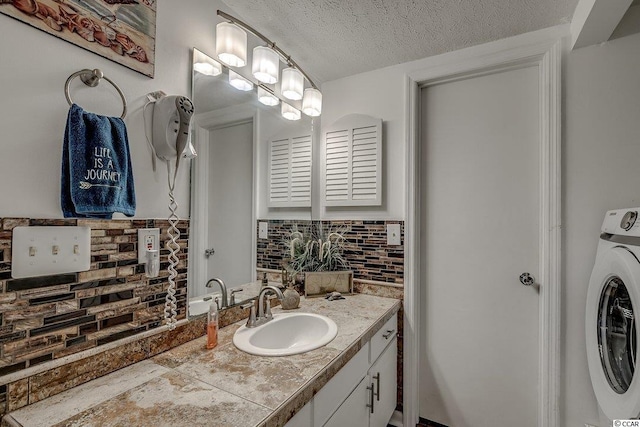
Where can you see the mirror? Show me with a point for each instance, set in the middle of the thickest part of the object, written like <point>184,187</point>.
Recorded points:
<point>230,184</point>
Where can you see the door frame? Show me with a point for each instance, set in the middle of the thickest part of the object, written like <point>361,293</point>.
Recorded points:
<point>203,125</point>
<point>542,49</point>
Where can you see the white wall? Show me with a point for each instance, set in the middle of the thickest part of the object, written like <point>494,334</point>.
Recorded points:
<point>601,157</point>
<point>33,68</point>
<point>601,154</point>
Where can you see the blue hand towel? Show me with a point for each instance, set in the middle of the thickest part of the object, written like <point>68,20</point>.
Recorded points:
<point>97,179</point>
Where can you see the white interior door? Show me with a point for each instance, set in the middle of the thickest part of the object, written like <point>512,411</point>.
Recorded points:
<point>480,231</point>
<point>230,218</point>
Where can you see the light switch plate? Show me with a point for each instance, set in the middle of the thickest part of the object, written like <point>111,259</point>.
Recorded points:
<point>393,234</point>
<point>148,239</point>
<point>263,230</point>
<point>47,250</point>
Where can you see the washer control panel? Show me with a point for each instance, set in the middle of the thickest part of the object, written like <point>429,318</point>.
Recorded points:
<point>622,221</point>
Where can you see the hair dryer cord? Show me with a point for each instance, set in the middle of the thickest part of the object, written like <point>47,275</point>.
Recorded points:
<point>170,305</point>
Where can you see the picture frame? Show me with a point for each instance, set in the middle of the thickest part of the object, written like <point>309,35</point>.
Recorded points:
<point>123,31</point>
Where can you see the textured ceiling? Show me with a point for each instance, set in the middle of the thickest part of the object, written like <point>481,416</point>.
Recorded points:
<point>331,39</point>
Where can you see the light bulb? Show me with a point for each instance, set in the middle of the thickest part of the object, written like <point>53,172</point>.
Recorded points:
<point>239,82</point>
<point>312,102</point>
<point>292,83</point>
<point>231,44</point>
<point>266,64</point>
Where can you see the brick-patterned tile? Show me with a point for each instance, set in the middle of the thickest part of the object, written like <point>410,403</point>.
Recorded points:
<point>366,248</point>
<point>55,316</point>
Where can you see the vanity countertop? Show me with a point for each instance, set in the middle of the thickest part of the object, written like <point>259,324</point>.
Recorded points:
<point>192,386</point>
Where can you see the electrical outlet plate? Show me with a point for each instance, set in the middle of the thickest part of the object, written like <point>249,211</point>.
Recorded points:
<point>47,250</point>
<point>263,230</point>
<point>148,239</point>
<point>393,234</point>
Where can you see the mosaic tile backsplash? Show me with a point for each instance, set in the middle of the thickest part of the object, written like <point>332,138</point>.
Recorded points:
<point>45,318</point>
<point>366,249</point>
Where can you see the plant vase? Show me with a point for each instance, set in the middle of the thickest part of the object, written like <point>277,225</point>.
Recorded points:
<point>319,283</point>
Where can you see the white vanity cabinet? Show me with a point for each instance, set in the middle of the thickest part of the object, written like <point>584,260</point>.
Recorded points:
<point>383,381</point>
<point>363,393</point>
<point>373,401</point>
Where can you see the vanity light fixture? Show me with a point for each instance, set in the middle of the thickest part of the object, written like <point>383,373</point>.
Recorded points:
<point>231,44</point>
<point>266,64</point>
<point>312,102</point>
<point>266,97</point>
<point>289,112</point>
<point>231,48</point>
<point>239,82</point>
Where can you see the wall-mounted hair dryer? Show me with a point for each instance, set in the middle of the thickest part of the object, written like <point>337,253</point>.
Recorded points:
<point>171,125</point>
<point>170,140</point>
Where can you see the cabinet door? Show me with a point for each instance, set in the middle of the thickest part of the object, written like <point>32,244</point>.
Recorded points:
<point>383,375</point>
<point>338,389</point>
<point>354,411</point>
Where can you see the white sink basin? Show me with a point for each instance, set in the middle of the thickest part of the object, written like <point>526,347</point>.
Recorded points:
<point>286,334</point>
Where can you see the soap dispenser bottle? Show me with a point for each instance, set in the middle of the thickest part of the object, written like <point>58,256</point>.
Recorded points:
<point>212,326</point>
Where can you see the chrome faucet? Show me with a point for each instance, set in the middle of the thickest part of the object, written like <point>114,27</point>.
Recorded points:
<point>223,290</point>
<point>232,300</point>
<point>264,315</point>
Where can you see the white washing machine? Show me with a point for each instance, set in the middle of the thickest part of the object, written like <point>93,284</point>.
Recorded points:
<point>613,304</point>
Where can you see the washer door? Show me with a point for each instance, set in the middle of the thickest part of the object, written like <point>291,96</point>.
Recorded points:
<point>613,302</point>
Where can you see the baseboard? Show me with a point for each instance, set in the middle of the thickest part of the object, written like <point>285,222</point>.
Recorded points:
<point>396,419</point>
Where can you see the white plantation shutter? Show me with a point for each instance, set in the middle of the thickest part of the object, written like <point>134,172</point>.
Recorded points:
<point>353,162</point>
<point>337,165</point>
<point>290,171</point>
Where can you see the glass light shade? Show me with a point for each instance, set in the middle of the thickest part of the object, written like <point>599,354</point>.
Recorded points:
<point>208,68</point>
<point>312,102</point>
<point>266,64</point>
<point>267,98</point>
<point>290,113</point>
<point>231,44</point>
<point>239,82</point>
<point>292,84</point>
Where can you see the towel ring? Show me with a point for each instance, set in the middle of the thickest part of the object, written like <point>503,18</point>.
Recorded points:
<point>91,78</point>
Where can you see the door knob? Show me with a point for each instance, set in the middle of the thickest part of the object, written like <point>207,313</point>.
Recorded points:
<point>527,279</point>
<point>209,252</point>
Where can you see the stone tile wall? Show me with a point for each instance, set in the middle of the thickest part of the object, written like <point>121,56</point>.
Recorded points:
<point>46,318</point>
<point>366,249</point>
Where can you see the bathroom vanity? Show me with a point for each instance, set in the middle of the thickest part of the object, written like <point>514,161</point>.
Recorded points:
<point>352,378</point>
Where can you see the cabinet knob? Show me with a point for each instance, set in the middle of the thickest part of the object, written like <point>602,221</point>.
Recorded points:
<point>377,393</point>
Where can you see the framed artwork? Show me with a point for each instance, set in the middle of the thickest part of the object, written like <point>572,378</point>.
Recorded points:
<point>123,31</point>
